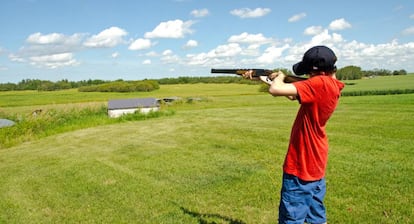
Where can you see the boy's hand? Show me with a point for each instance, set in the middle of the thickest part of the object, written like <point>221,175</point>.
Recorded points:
<point>277,75</point>
<point>249,75</point>
<point>266,79</point>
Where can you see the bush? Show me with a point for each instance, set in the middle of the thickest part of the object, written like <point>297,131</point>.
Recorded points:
<point>122,86</point>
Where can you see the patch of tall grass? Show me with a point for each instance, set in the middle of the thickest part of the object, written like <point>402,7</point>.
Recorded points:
<point>378,92</point>
<point>53,121</point>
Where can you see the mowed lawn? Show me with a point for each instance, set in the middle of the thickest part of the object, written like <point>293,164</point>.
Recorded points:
<point>216,161</point>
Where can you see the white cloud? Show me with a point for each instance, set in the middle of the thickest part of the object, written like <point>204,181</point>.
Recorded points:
<point>51,51</point>
<point>252,50</point>
<point>325,38</point>
<point>408,31</point>
<point>339,24</point>
<point>38,38</point>
<point>167,52</point>
<point>370,56</point>
<point>313,30</point>
<point>54,40</point>
<point>146,62</point>
<point>169,58</point>
<point>171,29</point>
<point>249,38</point>
<point>411,16</point>
<point>151,54</point>
<point>336,38</point>
<point>197,59</point>
<point>191,44</point>
<point>271,55</point>
<point>199,12</point>
<point>250,13</point>
<point>140,44</point>
<point>16,58</point>
<point>54,61</point>
<point>228,50</point>
<point>110,37</point>
<point>221,55</point>
<point>297,17</point>
<point>115,55</point>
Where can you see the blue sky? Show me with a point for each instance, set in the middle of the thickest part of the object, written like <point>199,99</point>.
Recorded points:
<point>135,40</point>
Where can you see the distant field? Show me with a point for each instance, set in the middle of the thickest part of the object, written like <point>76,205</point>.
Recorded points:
<point>32,98</point>
<point>214,161</point>
<point>381,83</point>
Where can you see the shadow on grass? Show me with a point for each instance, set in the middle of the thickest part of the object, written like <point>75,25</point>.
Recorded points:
<point>211,218</point>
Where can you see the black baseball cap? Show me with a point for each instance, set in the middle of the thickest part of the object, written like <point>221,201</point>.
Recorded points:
<point>318,58</point>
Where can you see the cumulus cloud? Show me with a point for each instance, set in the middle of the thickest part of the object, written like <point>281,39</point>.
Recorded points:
<point>140,44</point>
<point>339,24</point>
<point>222,54</point>
<point>197,59</point>
<point>52,50</point>
<point>38,38</point>
<point>54,40</point>
<point>250,13</point>
<point>297,17</point>
<point>199,12</point>
<point>54,60</point>
<point>191,44</point>
<point>325,37</point>
<point>252,50</point>
<point>228,50</point>
<point>167,52</point>
<point>249,38</point>
<point>313,30</point>
<point>171,29</point>
<point>168,57</point>
<point>16,58</point>
<point>151,54</point>
<point>110,37</point>
<point>271,55</point>
<point>408,31</point>
<point>146,62</point>
<point>376,55</point>
<point>115,55</point>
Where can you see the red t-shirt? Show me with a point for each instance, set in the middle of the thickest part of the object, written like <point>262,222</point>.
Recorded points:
<point>308,146</point>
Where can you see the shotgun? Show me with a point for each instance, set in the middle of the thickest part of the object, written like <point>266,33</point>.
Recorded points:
<point>257,73</point>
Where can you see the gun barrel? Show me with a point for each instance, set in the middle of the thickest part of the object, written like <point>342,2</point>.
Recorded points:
<point>225,71</point>
<point>256,72</point>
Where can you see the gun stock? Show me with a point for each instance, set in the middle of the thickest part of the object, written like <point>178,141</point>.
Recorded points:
<point>257,73</point>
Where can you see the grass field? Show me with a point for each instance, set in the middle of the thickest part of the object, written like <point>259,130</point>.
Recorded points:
<point>215,161</point>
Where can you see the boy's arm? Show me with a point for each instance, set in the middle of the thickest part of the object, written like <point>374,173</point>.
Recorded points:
<point>280,88</point>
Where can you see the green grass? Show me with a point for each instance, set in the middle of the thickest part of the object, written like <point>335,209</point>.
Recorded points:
<point>36,98</point>
<point>216,161</point>
<point>53,121</point>
<point>380,83</point>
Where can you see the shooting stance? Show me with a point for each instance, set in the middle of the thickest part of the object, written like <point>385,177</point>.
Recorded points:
<point>303,185</point>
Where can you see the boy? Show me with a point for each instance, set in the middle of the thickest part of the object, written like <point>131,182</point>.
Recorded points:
<point>303,184</point>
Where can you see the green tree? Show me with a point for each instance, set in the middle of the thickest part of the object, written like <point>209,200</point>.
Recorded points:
<point>349,73</point>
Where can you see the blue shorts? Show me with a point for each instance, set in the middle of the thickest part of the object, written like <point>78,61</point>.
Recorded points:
<point>302,201</point>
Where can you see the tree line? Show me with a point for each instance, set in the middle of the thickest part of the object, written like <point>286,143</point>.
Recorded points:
<point>46,85</point>
<point>97,85</point>
<point>115,86</point>
<point>355,72</point>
